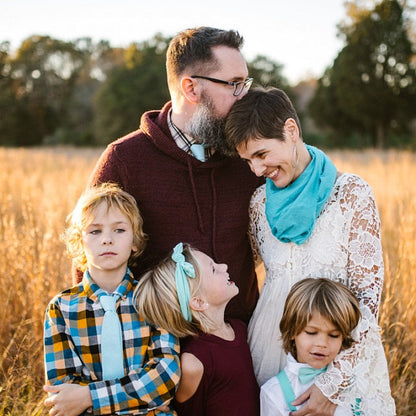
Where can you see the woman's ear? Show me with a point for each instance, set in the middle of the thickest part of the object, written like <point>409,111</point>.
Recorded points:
<point>292,129</point>
<point>189,89</point>
<point>198,304</point>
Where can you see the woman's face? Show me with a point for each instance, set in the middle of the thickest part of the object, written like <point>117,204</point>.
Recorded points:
<point>272,158</point>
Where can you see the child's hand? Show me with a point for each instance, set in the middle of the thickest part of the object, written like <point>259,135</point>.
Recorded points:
<point>67,399</point>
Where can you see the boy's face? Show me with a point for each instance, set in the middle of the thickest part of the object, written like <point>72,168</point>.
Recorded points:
<point>318,343</point>
<point>108,243</point>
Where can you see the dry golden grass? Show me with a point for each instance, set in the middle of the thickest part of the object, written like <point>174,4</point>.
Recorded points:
<point>39,187</point>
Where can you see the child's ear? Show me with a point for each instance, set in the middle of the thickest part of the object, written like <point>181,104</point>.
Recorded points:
<point>198,304</point>
<point>134,248</point>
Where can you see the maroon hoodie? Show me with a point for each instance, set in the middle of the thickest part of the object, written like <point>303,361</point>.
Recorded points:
<point>182,199</point>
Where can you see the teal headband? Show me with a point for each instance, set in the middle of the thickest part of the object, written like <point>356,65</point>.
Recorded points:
<point>183,269</point>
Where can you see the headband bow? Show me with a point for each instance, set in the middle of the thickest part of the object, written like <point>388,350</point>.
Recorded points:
<point>183,269</point>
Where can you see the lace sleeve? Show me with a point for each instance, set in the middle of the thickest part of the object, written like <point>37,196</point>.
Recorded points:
<point>256,205</point>
<point>365,278</point>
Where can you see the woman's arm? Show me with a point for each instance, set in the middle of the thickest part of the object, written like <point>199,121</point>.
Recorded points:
<point>365,273</point>
<point>256,206</point>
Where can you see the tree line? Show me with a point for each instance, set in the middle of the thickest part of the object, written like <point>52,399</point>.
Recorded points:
<point>85,93</point>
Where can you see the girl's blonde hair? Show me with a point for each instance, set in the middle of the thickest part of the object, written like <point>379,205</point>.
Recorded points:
<point>333,300</point>
<point>80,218</point>
<point>156,298</point>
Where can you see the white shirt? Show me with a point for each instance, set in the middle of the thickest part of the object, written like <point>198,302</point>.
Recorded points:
<point>272,400</point>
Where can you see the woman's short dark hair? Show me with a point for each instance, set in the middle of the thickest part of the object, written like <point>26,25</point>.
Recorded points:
<point>260,114</point>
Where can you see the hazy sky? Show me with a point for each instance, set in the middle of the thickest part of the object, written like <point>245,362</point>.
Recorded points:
<point>299,34</point>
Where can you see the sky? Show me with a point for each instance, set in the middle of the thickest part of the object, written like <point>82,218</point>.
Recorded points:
<point>301,35</point>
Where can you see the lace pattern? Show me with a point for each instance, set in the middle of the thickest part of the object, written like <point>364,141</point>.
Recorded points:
<point>345,246</point>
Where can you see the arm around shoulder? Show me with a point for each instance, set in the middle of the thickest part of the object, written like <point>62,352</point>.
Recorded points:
<point>192,372</point>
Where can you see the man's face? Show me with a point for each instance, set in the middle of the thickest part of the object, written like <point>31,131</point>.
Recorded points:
<point>231,66</point>
<point>207,123</point>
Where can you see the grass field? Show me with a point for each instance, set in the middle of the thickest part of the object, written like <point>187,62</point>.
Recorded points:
<point>39,187</point>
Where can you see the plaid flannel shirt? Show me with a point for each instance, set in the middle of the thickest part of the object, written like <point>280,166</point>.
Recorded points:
<point>73,355</point>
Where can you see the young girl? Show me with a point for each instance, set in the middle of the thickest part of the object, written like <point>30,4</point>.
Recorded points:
<point>186,294</point>
<point>135,368</point>
<point>318,318</point>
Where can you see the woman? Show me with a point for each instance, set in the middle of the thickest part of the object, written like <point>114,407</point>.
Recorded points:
<point>310,220</point>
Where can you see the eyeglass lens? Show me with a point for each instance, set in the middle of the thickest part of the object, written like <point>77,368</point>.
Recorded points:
<point>242,85</point>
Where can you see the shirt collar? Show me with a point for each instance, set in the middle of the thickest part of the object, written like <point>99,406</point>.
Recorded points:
<point>183,140</point>
<point>94,291</point>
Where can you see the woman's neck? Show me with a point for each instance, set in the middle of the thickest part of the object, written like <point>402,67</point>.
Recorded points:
<point>304,158</point>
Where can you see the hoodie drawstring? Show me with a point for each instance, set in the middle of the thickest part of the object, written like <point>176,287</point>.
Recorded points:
<point>195,196</point>
<point>214,216</point>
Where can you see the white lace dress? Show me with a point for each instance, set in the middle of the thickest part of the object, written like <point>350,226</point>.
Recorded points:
<point>344,246</point>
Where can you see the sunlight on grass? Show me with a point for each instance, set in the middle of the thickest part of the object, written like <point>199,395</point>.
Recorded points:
<point>39,187</point>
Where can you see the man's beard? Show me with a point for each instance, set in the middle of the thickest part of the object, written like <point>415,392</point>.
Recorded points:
<point>206,128</point>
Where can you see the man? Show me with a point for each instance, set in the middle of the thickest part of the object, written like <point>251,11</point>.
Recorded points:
<point>181,198</point>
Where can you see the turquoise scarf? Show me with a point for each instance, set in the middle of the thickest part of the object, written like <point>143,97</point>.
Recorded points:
<point>292,211</point>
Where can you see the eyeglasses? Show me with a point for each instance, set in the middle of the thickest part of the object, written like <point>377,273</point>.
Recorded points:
<point>239,86</point>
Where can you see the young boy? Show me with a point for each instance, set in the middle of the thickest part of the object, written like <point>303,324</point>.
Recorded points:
<point>318,318</point>
<point>104,233</point>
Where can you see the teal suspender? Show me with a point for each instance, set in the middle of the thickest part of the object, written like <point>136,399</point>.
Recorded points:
<point>287,389</point>
<point>290,394</point>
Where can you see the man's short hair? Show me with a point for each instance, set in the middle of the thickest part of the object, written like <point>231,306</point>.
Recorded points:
<point>192,49</point>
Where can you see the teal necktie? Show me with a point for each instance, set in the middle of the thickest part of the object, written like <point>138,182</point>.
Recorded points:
<point>198,150</point>
<point>307,374</point>
<point>111,340</point>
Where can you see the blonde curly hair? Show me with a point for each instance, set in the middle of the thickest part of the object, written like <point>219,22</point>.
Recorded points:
<point>79,219</point>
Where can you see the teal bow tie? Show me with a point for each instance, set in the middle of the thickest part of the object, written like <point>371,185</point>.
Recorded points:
<point>307,374</point>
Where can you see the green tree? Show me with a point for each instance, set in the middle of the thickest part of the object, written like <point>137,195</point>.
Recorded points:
<point>41,75</point>
<point>99,60</point>
<point>267,72</point>
<point>9,107</point>
<point>370,90</point>
<point>131,89</point>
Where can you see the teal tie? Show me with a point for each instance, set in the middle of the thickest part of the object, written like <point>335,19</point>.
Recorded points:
<point>198,150</point>
<point>111,340</point>
<point>307,374</point>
